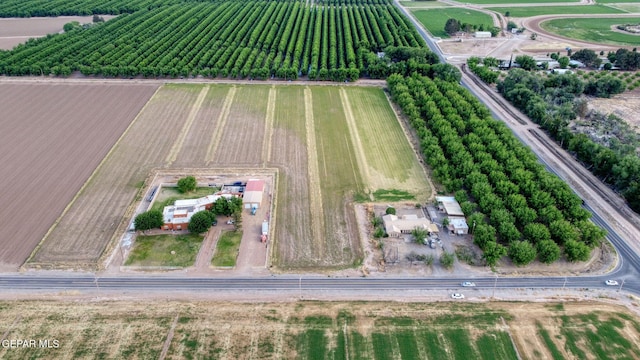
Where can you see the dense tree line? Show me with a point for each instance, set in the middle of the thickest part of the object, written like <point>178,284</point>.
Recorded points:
<point>551,103</point>
<point>513,205</point>
<point>237,39</point>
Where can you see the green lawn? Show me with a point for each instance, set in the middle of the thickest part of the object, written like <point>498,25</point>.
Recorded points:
<point>155,250</point>
<point>529,11</point>
<point>435,19</point>
<point>227,249</point>
<point>595,30</point>
<point>628,7</point>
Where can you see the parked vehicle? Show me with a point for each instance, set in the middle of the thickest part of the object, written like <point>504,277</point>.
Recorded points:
<point>457,296</point>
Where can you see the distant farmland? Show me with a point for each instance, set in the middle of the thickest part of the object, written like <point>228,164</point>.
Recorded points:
<point>435,19</point>
<point>593,30</point>
<point>330,143</point>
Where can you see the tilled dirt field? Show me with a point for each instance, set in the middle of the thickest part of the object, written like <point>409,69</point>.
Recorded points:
<point>51,139</point>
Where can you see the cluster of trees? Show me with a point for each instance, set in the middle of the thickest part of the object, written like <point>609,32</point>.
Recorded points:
<point>236,39</point>
<point>625,59</point>
<point>552,104</point>
<point>187,184</point>
<point>452,26</point>
<point>513,205</point>
<point>482,68</point>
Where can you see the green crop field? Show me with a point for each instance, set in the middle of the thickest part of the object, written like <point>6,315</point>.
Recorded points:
<point>390,161</point>
<point>484,2</point>
<point>528,11</point>
<point>322,330</point>
<point>628,7</point>
<point>155,250</point>
<point>595,30</point>
<point>435,19</point>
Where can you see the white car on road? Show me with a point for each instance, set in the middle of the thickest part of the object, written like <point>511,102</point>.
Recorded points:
<point>457,296</point>
<point>468,284</point>
<point>611,282</point>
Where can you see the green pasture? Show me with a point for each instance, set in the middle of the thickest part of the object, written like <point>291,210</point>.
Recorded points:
<point>528,11</point>
<point>227,249</point>
<point>616,1</point>
<point>435,19</point>
<point>593,30</point>
<point>391,161</point>
<point>155,250</point>
<point>628,7</point>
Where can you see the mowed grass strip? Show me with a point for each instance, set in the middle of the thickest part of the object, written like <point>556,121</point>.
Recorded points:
<point>227,249</point>
<point>391,159</point>
<point>155,250</point>
<point>528,11</point>
<point>339,177</point>
<point>593,30</point>
<point>435,19</point>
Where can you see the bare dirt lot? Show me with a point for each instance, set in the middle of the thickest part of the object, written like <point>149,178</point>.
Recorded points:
<point>51,139</point>
<point>15,31</point>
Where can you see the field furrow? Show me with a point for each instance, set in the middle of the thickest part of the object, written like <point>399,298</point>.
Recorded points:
<point>243,133</point>
<point>195,108</point>
<point>355,139</point>
<point>90,221</point>
<point>221,122</point>
<point>315,191</point>
<point>52,138</point>
<point>194,149</point>
<point>266,144</point>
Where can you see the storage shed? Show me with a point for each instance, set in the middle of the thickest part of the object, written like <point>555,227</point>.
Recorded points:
<point>252,197</point>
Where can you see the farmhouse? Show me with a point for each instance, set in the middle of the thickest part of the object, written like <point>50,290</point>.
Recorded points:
<point>396,226</point>
<point>253,194</point>
<point>178,215</point>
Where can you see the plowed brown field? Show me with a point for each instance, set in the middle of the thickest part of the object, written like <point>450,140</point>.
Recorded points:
<point>82,234</point>
<point>52,137</point>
